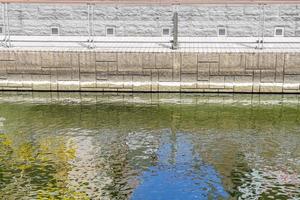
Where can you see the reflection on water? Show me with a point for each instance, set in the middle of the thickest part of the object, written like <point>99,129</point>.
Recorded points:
<point>179,174</point>
<point>149,146</point>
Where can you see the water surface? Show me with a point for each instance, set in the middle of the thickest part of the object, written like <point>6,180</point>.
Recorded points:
<point>149,146</point>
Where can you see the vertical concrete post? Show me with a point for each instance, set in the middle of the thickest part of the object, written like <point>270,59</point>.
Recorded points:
<point>90,8</point>
<point>6,40</point>
<point>4,22</point>
<point>175,31</point>
<point>262,26</point>
<point>88,21</point>
<point>93,25</point>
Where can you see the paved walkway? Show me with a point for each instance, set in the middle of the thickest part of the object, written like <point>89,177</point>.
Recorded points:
<point>153,44</point>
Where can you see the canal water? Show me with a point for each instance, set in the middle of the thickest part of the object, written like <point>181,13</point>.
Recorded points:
<point>149,146</point>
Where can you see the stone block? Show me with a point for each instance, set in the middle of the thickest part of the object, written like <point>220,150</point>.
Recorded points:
<point>217,82</point>
<point>267,61</point>
<point>292,79</point>
<point>154,75</point>
<point>271,88</point>
<point>106,57</point>
<point>292,64</point>
<point>148,60</point>
<point>208,58</point>
<point>87,80</point>
<point>3,83</point>
<point>243,79</point>
<point>14,80</point>
<point>154,86</point>
<point>189,62</point>
<point>279,77</point>
<point>128,78</point>
<point>243,88</point>
<point>102,76</point>
<point>87,62</point>
<point>164,60</point>
<point>28,62</point>
<point>228,81</point>
<point>130,62</point>
<point>176,67</point>
<point>41,86</point>
<point>291,82</point>
<point>101,84</point>
<point>267,76</point>
<point>47,59</point>
<point>189,85</point>
<point>203,84</point>
<point>232,63</point>
<point>68,86</point>
<point>7,88</point>
<point>243,84</point>
<point>64,74</point>
<point>5,55</point>
<point>27,80</point>
<point>65,60</point>
<point>124,89</point>
<point>10,62</point>
<point>165,75</point>
<point>106,66</point>
<point>256,80</point>
<point>141,79</point>
<point>252,61</point>
<point>144,87</point>
<point>3,72</point>
<point>214,69</point>
<point>211,90</point>
<point>280,62</point>
<point>225,90</point>
<point>116,81</point>
<point>40,78</point>
<point>127,82</point>
<point>108,89</point>
<point>203,71</point>
<point>75,60</point>
<point>189,77</point>
<point>203,76</point>
<point>75,74</point>
<point>290,86</point>
<point>57,59</point>
<point>54,85</point>
<point>174,87</point>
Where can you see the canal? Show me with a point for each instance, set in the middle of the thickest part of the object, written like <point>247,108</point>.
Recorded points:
<point>149,146</point>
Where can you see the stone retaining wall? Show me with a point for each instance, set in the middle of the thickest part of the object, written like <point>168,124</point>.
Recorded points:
<point>150,72</point>
<point>194,20</point>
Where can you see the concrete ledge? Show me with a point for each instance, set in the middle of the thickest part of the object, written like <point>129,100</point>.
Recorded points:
<point>151,44</point>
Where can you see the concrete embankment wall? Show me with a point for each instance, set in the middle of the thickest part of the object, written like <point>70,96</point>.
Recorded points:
<point>150,72</point>
<point>134,20</point>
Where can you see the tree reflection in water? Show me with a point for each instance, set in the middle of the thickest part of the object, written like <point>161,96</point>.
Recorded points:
<point>35,168</point>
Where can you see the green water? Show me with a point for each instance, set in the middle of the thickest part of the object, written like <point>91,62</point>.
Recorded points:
<point>103,146</point>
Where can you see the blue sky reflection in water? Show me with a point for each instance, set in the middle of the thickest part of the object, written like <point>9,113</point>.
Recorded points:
<point>179,174</point>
